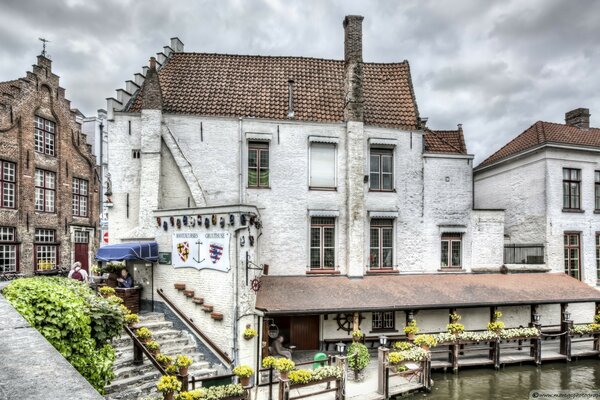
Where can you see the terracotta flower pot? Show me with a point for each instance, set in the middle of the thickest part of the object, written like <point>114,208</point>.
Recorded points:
<point>183,371</point>
<point>169,395</point>
<point>425,347</point>
<point>245,381</point>
<point>410,336</point>
<point>283,375</point>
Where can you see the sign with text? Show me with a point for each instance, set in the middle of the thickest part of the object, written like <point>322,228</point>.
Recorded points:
<point>201,250</point>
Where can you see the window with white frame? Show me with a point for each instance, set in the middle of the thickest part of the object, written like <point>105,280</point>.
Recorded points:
<point>258,164</point>
<point>44,139</point>
<point>8,249</point>
<point>46,249</point>
<point>383,321</point>
<point>80,197</point>
<point>381,169</point>
<point>381,244</point>
<point>45,190</point>
<point>322,165</point>
<point>451,250</point>
<point>571,188</point>
<point>7,184</point>
<point>322,243</point>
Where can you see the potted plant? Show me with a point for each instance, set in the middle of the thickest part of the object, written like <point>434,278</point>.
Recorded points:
<point>131,319</point>
<point>106,291</point>
<point>284,366</point>
<point>357,335</point>
<point>183,363</point>
<point>243,372</point>
<point>269,362</point>
<point>168,385</point>
<point>171,370</point>
<point>403,345</point>
<point>249,333</point>
<point>113,269</point>
<point>395,359</point>
<point>454,327</point>
<point>358,358</point>
<point>425,341</point>
<point>144,334</point>
<point>300,376</point>
<point>164,360</point>
<point>495,324</point>
<point>153,347</point>
<point>411,329</point>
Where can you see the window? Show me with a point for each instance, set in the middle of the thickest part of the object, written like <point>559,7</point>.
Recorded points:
<point>381,244</point>
<point>80,197</point>
<point>322,243</point>
<point>322,166</point>
<point>451,250</point>
<point>45,190</point>
<point>598,256</point>
<point>571,188</point>
<point>597,190</point>
<point>258,164</point>
<point>7,184</point>
<point>572,255</point>
<point>44,136</point>
<point>384,321</point>
<point>135,153</point>
<point>46,249</point>
<point>8,249</point>
<point>381,176</point>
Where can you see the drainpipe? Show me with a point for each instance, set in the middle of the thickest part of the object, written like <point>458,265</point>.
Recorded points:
<point>241,169</point>
<point>235,351</point>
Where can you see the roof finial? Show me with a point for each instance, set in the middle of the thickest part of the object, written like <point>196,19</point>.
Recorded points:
<point>44,41</point>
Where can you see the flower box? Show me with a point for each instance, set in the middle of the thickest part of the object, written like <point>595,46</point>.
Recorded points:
<point>313,383</point>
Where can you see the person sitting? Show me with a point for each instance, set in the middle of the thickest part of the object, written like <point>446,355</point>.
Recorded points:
<point>280,350</point>
<point>78,273</point>
<point>125,281</point>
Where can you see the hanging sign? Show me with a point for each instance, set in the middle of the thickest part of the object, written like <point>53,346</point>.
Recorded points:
<point>201,250</point>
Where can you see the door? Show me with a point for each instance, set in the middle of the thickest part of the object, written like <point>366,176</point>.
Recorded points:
<point>81,249</point>
<point>304,332</point>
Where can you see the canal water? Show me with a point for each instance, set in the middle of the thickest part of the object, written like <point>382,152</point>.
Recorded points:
<point>515,382</point>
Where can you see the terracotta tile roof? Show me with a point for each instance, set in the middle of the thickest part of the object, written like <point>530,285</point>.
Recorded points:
<point>323,294</point>
<point>257,86</point>
<point>445,141</point>
<point>544,133</point>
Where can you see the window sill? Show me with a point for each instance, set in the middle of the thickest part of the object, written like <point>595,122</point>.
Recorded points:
<point>376,331</point>
<point>596,211</point>
<point>323,272</point>
<point>382,191</point>
<point>323,189</point>
<point>451,269</point>
<point>382,271</point>
<point>258,187</point>
<point>573,210</point>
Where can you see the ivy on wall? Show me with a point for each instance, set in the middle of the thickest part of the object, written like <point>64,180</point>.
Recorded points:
<point>73,319</point>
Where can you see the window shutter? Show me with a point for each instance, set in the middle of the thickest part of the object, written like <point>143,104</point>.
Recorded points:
<point>322,165</point>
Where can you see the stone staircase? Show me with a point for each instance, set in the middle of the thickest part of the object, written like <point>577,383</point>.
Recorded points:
<point>138,381</point>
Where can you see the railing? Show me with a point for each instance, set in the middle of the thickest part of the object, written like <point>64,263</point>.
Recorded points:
<point>523,254</point>
<point>212,345</point>
<point>139,350</point>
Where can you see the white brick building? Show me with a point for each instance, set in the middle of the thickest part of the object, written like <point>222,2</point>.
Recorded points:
<point>320,169</point>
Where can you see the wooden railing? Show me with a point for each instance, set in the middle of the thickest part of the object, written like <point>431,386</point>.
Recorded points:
<point>212,345</point>
<point>139,350</point>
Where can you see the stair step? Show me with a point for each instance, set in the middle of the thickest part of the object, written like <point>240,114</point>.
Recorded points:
<point>179,286</point>
<point>207,308</point>
<point>127,383</point>
<point>198,300</point>
<point>125,362</point>
<point>217,316</point>
<point>156,325</point>
<point>124,340</point>
<point>188,293</point>
<point>151,316</point>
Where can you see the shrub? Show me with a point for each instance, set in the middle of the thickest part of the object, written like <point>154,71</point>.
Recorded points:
<point>361,361</point>
<point>168,383</point>
<point>411,327</point>
<point>425,340</point>
<point>284,365</point>
<point>107,291</point>
<point>73,319</point>
<point>243,371</point>
<point>268,362</point>
<point>183,361</point>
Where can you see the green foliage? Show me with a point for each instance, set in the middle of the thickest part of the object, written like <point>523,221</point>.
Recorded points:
<point>455,328</point>
<point>411,327</point>
<point>183,361</point>
<point>243,371</point>
<point>357,335</point>
<point>425,340</point>
<point>455,317</point>
<point>249,333</point>
<point>168,383</point>
<point>152,346</point>
<point>403,345</point>
<point>131,319</point>
<point>597,318</point>
<point>73,319</point>
<point>495,326</point>
<point>361,361</point>
<point>268,362</point>
<point>300,376</point>
<point>164,359</point>
<point>284,365</point>
<point>171,370</point>
<point>143,334</point>
<point>107,291</point>
<point>212,393</point>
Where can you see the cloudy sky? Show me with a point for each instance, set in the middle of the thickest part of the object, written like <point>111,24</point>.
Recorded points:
<point>496,67</point>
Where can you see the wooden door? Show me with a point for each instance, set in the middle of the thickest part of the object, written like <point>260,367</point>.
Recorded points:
<point>81,255</point>
<point>304,332</point>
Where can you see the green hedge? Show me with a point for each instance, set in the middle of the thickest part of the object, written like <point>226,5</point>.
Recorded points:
<point>359,362</point>
<point>73,319</point>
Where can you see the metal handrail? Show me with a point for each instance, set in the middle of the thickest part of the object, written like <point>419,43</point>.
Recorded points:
<point>140,346</point>
<point>213,346</point>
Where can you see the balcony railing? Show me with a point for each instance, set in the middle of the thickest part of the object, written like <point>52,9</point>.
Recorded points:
<point>524,254</point>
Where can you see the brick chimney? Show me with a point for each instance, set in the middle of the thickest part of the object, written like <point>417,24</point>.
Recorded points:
<point>353,84</point>
<point>580,117</point>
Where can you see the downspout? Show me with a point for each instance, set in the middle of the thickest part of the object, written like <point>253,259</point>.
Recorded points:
<point>235,351</point>
<point>241,168</point>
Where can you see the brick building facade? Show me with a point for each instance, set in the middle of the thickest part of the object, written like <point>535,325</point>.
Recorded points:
<point>49,185</point>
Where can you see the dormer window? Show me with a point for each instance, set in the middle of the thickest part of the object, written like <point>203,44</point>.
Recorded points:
<point>44,139</point>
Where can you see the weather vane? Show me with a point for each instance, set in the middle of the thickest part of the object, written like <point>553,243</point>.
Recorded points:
<point>44,41</point>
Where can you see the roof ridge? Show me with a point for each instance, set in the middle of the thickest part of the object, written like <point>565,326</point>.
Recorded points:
<point>484,162</point>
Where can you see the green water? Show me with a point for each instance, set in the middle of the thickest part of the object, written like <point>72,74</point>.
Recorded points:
<point>514,382</point>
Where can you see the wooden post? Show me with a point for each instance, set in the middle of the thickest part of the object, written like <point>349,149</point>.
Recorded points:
<point>356,322</point>
<point>497,353</point>
<point>382,354</point>
<point>567,336</point>
<point>184,382</point>
<point>284,389</point>
<point>340,393</point>
<point>563,329</point>
<point>138,355</point>
<point>454,353</point>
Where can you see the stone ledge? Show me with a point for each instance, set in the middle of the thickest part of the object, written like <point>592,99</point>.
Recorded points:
<point>513,268</point>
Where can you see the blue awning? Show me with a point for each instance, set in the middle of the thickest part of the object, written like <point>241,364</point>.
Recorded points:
<point>147,251</point>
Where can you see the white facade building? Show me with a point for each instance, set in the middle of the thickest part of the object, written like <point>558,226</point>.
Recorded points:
<point>316,169</point>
